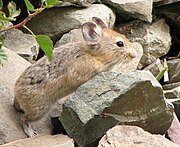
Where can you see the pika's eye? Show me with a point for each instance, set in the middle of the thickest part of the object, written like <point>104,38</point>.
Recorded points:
<point>120,43</point>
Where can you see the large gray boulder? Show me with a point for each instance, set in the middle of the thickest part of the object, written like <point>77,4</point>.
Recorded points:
<point>141,9</point>
<point>55,22</point>
<point>109,99</point>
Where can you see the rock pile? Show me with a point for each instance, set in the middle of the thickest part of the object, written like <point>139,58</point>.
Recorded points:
<point>120,97</point>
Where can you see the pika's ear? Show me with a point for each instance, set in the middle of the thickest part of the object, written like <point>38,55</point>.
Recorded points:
<point>99,22</point>
<point>91,33</point>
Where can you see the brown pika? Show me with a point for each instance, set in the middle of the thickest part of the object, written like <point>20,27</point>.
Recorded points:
<point>45,82</point>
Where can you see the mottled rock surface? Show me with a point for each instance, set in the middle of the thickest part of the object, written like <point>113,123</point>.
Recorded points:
<point>10,128</point>
<point>109,99</point>
<point>141,9</point>
<point>174,70</point>
<point>24,45</point>
<point>43,141</point>
<point>132,136</point>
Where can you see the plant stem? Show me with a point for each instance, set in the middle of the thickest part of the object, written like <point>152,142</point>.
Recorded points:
<point>21,24</point>
<point>160,75</point>
<point>29,30</point>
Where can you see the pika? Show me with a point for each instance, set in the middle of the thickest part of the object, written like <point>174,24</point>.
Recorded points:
<point>45,82</point>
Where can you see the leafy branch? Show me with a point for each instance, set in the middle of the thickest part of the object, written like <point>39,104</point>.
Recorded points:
<point>44,41</point>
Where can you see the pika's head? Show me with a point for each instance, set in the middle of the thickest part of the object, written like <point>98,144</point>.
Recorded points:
<point>106,44</point>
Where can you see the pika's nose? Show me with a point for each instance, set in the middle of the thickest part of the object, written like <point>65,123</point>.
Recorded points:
<point>132,53</point>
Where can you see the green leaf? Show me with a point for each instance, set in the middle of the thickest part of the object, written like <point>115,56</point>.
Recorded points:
<point>52,2</point>
<point>30,7</point>
<point>3,56</point>
<point>1,4</point>
<point>13,12</point>
<point>46,44</point>
<point>2,15</point>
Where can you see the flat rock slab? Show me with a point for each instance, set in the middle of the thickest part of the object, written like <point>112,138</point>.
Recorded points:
<point>134,98</point>
<point>43,141</point>
<point>132,136</point>
<point>10,128</point>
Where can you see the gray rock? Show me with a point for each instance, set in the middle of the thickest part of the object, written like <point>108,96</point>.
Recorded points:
<point>10,128</point>
<point>24,45</point>
<point>173,93</point>
<point>109,99</point>
<point>43,141</point>
<point>176,103</point>
<point>155,38</point>
<point>141,9</point>
<point>68,18</point>
<point>72,36</point>
<point>132,136</point>
<point>164,2</point>
<point>171,14</point>
<point>171,86</point>
<point>174,70</point>
<point>155,68</point>
<point>83,3</point>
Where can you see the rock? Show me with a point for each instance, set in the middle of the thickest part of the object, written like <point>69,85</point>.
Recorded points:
<point>171,86</point>
<point>132,136</point>
<point>68,18</point>
<point>173,132</point>
<point>176,103</point>
<point>141,9</point>
<point>24,45</point>
<point>109,99</point>
<point>164,2</point>
<point>155,68</point>
<point>83,3</point>
<point>174,70</point>
<point>71,36</point>
<point>171,14</point>
<point>11,71</point>
<point>75,35</point>
<point>10,128</point>
<point>155,38</point>
<point>173,93</point>
<point>43,141</point>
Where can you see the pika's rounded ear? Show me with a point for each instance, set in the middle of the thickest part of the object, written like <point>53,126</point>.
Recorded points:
<point>99,22</point>
<point>91,33</point>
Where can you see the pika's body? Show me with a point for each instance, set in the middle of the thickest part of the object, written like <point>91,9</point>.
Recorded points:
<point>44,82</point>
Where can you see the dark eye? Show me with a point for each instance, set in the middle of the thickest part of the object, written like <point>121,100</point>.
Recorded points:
<point>120,43</point>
